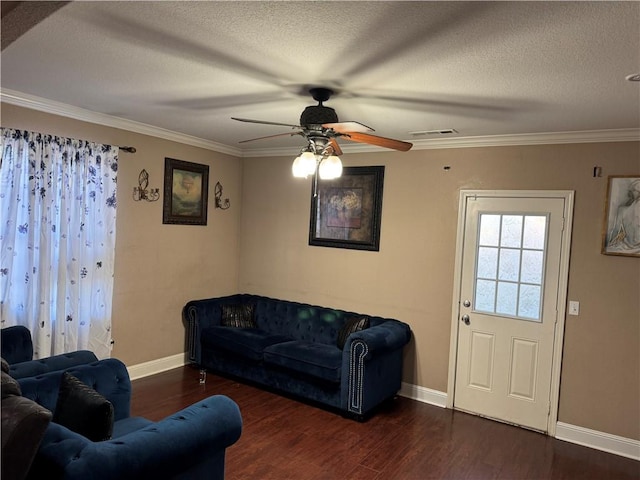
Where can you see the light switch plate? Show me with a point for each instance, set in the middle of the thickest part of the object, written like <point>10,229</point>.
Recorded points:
<point>574,308</point>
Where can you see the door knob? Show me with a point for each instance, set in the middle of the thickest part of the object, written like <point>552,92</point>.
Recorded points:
<point>465,319</point>
<point>466,303</point>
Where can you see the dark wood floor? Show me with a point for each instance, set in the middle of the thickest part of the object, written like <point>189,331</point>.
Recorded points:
<point>286,439</point>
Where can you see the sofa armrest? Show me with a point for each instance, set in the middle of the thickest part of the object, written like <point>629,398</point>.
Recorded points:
<point>198,315</point>
<point>372,365</point>
<point>206,313</point>
<point>173,447</point>
<point>387,336</point>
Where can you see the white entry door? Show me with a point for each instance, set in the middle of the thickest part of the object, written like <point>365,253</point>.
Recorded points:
<point>509,294</point>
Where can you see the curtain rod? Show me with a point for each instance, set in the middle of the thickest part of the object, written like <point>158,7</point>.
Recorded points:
<point>128,149</point>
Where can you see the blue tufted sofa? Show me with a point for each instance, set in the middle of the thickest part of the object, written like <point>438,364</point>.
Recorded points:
<point>17,350</point>
<point>294,349</point>
<point>190,444</point>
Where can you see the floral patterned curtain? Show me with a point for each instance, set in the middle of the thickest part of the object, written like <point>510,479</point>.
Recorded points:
<point>57,240</point>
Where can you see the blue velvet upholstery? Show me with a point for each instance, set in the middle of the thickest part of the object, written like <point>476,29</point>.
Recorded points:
<point>294,350</point>
<point>246,342</point>
<point>315,359</point>
<point>17,345</point>
<point>63,361</point>
<point>189,444</point>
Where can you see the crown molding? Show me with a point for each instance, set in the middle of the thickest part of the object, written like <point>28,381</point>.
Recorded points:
<point>57,108</point>
<point>548,138</point>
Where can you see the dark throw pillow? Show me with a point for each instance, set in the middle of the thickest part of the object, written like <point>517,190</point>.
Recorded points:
<point>354,324</point>
<point>83,410</point>
<point>239,316</point>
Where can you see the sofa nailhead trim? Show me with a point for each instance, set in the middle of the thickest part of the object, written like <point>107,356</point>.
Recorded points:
<point>358,351</point>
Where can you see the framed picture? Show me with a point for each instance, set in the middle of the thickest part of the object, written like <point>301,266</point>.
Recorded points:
<point>186,186</point>
<point>346,211</point>
<point>621,227</point>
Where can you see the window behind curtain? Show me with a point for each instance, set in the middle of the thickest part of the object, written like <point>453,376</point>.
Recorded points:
<point>57,240</point>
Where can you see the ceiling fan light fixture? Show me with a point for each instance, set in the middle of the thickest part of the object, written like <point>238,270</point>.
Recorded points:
<point>330,168</point>
<point>304,165</point>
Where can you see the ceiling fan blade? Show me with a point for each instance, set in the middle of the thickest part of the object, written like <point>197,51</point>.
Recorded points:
<point>271,136</point>
<point>336,148</point>
<point>248,120</point>
<point>346,127</point>
<point>378,141</point>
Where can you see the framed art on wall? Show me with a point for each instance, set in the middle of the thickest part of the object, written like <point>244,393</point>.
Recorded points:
<point>621,227</point>
<point>346,212</point>
<point>186,187</point>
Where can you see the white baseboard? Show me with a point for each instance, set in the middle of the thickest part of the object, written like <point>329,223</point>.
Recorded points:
<point>157,366</point>
<point>606,442</point>
<point>423,394</point>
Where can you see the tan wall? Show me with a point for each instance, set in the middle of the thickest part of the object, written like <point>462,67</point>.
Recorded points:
<point>158,267</point>
<point>411,277</point>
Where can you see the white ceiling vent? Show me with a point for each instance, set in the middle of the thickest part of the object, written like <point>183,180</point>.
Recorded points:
<point>444,131</point>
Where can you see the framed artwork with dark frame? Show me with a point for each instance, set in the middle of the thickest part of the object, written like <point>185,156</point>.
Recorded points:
<point>346,212</point>
<point>186,187</point>
<point>621,226</point>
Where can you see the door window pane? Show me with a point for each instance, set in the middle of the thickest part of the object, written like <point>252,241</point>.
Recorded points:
<point>507,298</point>
<point>529,305</point>
<point>489,230</point>
<point>510,265</point>
<point>487,262</point>
<point>534,232</point>
<point>511,235</point>
<point>485,298</point>
<point>532,266</point>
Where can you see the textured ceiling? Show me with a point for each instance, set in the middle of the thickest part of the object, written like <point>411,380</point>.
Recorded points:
<point>482,68</point>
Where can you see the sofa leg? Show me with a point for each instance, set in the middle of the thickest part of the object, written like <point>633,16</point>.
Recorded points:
<point>203,376</point>
<point>358,417</point>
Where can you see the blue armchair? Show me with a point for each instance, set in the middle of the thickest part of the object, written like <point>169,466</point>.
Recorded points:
<point>17,349</point>
<point>190,444</point>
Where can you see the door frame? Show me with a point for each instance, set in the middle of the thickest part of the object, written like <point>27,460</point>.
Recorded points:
<point>563,278</point>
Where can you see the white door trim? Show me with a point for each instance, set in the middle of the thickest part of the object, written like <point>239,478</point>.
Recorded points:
<point>563,277</point>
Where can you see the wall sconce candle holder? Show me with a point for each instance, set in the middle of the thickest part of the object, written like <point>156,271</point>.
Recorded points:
<point>223,205</point>
<point>141,193</point>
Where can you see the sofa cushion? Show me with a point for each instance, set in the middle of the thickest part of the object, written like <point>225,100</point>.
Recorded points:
<point>315,359</point>
<point>246,342</point>
<point>353,324</point>
<point>83,410</point>
<point>238,315</point>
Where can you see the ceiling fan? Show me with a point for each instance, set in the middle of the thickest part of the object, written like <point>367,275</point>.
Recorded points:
<point>321,127</point>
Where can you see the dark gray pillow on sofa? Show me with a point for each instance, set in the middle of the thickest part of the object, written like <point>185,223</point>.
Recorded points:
<point>353,324</point>
<point>83,410</point>
<point>238,315</point>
